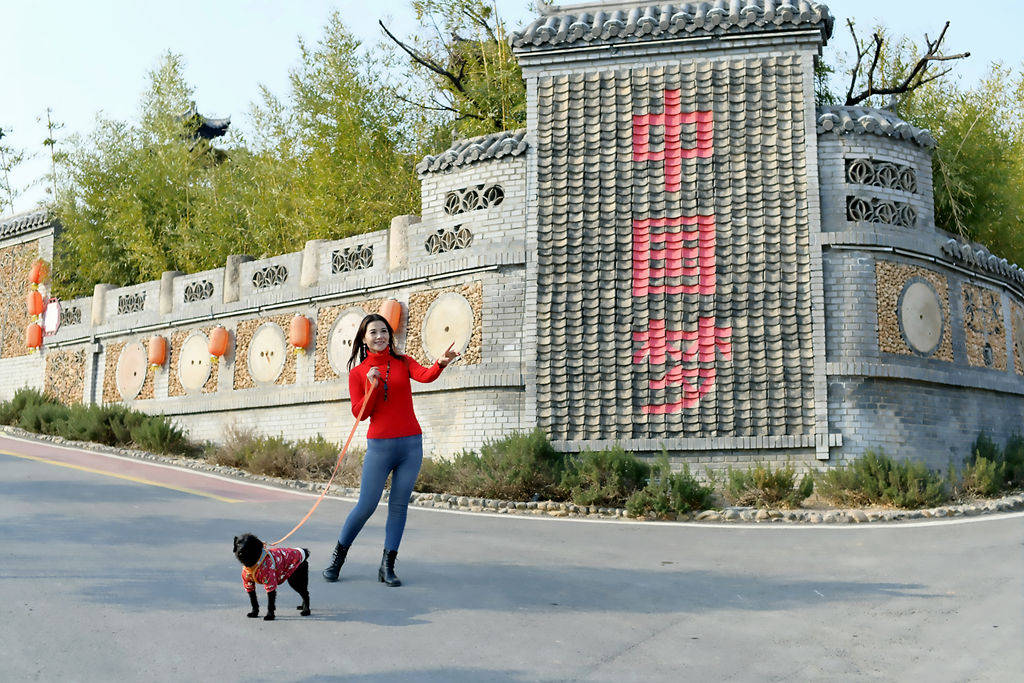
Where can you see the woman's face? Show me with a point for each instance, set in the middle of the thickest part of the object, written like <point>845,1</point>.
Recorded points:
<point>376,337</point>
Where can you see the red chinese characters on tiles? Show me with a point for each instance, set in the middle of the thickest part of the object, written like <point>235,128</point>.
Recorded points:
<point>685,249</point>
<point>672,153</point>
<point>675,256</point>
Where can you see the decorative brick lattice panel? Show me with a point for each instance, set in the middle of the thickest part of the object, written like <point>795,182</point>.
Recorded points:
<point>70,315</point>
<point>268,277</point>
<point>65,375</point>
<point>890,281</point>
<point>983,327</point>
<point>243,335</point>
<point>1017,331</point>
<point>174,387</point>
<point>349,259</point>
<point>885,174</point>
<point>449,239</point>
<point>419,302</point>
<point>867,210</point>
<point>15,262</point>
<point>674,267</point>
<point>112,352</point>
<point>325,318</point>
<point>473,198</point>
<point>197,291</point>
<point>131,303</point>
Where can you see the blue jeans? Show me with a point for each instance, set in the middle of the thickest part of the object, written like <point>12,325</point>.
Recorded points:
<point>402,457</point>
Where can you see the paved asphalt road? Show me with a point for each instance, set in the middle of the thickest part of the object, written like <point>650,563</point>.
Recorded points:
<point>118,570</point>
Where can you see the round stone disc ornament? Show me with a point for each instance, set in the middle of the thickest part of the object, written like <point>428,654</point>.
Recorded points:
<point>131,370</point>
<point>339,342</point>
<point>449,320</point>
<point>268,351</point>
<point>920,315</point>
<point>194,363</point>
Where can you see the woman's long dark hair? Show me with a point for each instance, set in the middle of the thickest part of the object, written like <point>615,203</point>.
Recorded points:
<point>359,351</point>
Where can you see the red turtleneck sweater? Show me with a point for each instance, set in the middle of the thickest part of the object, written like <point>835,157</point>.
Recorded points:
<point>391,416</point>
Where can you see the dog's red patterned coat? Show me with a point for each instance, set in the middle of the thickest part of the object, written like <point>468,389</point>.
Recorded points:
<point>274,567</point>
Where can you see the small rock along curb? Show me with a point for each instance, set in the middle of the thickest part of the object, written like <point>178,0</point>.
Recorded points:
<point>549,508</point>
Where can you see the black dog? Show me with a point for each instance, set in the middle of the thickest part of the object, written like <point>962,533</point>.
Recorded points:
<point>271,566</point>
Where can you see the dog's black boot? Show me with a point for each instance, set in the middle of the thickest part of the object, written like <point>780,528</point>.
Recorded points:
<point>255,612</point>
<point>386,573</point>
<point>337,559</point>
<point>271,600</point>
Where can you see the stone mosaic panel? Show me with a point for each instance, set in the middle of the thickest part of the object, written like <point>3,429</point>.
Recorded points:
<point>111,355</point>
<point>900,300</point>
<point>325,318</point>
<point>65,375</point>
<point>15,262</point>
<point>243,336</point>
<point>419,305</point>
<point>673,251</point>
<point>983,327</point>
<point>174,387</point>
<point>1017,333</point>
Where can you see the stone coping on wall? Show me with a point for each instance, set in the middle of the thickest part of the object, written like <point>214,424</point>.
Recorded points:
<point>568,510</point>
<point>496,375</point>
<point>961,377</point>
<point>928,246</point>
<point>333,292</point>
<point>709,443</point>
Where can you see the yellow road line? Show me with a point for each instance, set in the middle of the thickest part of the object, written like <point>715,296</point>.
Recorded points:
<point>137,480</point>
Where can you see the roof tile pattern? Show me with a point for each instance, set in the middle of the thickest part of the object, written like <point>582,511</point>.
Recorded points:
<point>483,148</point>
<point>24,222</point>
<point>590,194</point>
<point>843,120</point>
<point>636,23</point>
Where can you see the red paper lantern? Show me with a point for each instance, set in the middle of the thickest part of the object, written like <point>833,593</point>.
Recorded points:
<point>33,336</point>
<point>391,309</point>
<point>34,300</point>
<point>299,333</point>
<point>157,351</point>
<point>37,273</point>
<point>218,343</point>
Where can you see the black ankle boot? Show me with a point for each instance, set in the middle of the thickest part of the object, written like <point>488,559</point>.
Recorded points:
<point>386,573</point>
<point>337,559</point>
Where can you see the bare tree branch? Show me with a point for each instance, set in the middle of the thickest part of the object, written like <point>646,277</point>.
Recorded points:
<point>427,62</point>
<point>918,75</point>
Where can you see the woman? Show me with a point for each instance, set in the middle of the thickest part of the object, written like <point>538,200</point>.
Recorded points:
<point>394,441</point>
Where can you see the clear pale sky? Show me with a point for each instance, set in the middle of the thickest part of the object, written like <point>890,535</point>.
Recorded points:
<point>81,58</point>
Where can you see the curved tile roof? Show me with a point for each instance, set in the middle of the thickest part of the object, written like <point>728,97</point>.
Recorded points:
<point>509,143</point>
<point>862,120</point>
<point>596,23</point>
<point>24,222</point>
<point>980,258</point>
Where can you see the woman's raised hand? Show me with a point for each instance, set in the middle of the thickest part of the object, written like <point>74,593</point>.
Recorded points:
<point>448,356</point>
<point>373,375</point>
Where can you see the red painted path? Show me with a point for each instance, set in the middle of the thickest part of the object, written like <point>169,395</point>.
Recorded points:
<point>144,473</point>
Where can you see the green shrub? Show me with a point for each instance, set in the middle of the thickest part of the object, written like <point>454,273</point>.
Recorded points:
<point>1013,457</point>
<point>437,475</point>
<point>605,478</point>
<point>761,486</point>
<point>317,457</point>
<point>10,411</point>
<point>121,421</point>
<point>43,418</point>
<point>517,467</point>
<point>877,479</point>
<point>668,493</point>
<point>157,434</point>
<point>275,457</point>
<point>985,447</point>
<point>235,450</point>
<point>982,477</point>
<point>87,423</point>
